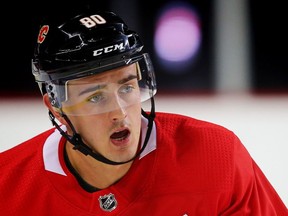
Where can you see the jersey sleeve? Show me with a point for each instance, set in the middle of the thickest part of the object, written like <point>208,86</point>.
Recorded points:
<point>252,193</point>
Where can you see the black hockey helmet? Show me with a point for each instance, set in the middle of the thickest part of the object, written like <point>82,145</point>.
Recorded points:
<point>87,44</point>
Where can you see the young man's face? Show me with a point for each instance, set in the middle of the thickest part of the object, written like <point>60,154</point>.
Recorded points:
<point>105,110</point>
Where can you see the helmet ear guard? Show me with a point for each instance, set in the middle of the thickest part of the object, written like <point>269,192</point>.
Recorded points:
<point>147,81</point>
<point>54,94</point>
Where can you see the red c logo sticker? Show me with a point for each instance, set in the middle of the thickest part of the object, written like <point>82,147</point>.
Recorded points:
<point>42,33</point>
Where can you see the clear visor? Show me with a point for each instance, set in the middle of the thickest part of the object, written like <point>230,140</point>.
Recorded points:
<point>105,92</point>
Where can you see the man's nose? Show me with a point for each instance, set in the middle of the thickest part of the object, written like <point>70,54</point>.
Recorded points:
<point>119,110</point>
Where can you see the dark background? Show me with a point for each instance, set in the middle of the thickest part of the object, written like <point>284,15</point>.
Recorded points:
<point>268,41</point>
<point>269,45</point>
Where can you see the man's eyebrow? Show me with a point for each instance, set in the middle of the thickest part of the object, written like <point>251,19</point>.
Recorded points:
<point>126,79</point>
<point>92,89</point>
<point>101,86</point>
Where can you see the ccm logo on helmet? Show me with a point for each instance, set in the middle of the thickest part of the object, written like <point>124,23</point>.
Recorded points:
<point>108,49</point>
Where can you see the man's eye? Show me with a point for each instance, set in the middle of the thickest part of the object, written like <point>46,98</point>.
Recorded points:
<point>126,89</point>
<point>96,98</point>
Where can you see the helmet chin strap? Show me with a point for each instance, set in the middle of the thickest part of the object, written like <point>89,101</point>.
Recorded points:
<point>79,145</point>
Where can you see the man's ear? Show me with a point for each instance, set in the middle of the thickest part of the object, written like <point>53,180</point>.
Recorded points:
<point>56,112</point>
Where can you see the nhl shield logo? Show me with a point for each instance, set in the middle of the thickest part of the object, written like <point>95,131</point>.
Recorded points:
<point>108,202</point>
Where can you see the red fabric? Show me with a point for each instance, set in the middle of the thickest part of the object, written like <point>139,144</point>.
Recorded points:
<point>198,168</point>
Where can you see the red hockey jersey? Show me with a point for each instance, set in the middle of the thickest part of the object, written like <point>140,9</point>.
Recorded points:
<point>189,167</point>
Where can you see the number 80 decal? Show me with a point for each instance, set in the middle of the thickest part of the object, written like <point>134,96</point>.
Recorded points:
<point>92,21</point>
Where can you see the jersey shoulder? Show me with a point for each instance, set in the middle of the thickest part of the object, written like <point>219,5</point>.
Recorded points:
<point>188,136</point>
<point>197,148</point>
<point>173,123</point>
<point>25,151</point>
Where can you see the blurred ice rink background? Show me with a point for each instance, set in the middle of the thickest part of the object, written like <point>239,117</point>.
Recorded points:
<point>261,122</point>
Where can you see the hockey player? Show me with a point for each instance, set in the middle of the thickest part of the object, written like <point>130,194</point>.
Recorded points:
<point>105,155</point>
